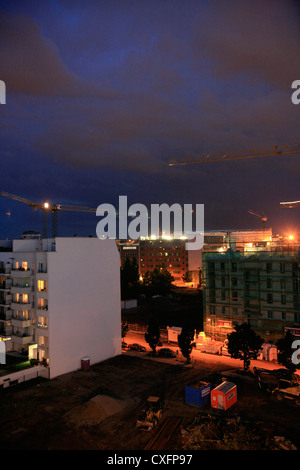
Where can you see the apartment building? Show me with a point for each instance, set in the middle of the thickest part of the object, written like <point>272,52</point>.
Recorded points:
<point>259,285</point>
<point>60,300</point>
<point>168,252</point>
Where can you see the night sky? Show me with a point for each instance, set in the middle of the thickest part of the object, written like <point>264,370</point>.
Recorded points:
<point>101,95</point>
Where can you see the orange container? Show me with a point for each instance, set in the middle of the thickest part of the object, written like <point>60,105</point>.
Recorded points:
<point>223,396</point>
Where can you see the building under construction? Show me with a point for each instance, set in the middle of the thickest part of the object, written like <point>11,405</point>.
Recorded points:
<point>254,284</point>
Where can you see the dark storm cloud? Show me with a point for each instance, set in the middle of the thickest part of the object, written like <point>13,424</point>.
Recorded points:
<point>31,64</point>
<point>258,38</point>
<point>120,88</point>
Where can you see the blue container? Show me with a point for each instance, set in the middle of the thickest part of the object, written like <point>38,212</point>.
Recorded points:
<point>198,394</point>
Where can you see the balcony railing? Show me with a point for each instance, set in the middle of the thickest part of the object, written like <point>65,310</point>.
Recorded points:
<point>21,272</point>
<point>21,338</point>
<point>21,305</point>
<point>6,301</point>
<point>5,285</point>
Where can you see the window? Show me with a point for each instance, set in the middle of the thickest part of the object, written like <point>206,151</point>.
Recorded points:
<point>42,322</point>
<point>270,314</point>
<point>283,299</point>
<point>269,267</point>
<point>234,267</point>
<point>282,267</point>
<point>269,283</point>
<point>42,286</point>
<point>42,304</point>
<point>283,315</point>
<point>270,298</point>
<point>42,268</point>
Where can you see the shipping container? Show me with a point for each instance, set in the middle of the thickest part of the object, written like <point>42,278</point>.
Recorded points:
<point>198,394</point>
<point>224,396</point>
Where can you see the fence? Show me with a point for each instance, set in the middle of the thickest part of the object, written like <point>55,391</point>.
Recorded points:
<point>15,378</point>
<point>142,329</point>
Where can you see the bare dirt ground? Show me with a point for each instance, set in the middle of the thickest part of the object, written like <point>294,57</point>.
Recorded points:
<point>98,409</point>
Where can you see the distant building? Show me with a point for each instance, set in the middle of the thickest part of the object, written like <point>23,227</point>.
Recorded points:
<point>255,284</point>
<point>128,249</point>
<point>164,252</point>
<point>60,300</point>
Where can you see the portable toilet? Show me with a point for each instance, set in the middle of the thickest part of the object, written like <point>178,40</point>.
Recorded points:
<point>197,394</point>
<point>85,363</point>
<point>224,396</point>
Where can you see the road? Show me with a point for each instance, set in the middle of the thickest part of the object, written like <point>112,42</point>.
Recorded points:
<point>200,357</point>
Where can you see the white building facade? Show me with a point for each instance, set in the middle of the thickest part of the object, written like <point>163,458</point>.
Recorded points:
<point>60,300</point>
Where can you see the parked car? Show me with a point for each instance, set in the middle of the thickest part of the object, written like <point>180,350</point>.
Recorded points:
<point>136,347</point>
<point>166,352</point>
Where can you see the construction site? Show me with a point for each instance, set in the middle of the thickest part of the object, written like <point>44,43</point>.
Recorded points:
<point>99,408</point>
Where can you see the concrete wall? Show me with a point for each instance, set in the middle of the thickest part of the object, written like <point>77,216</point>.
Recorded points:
<point>84,303</point>
<point>15,378</point>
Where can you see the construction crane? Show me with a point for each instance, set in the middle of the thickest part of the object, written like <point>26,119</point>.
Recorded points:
<point>261,215</point>
<point>46,207</point>
<point>290,205</point>
<point>266,151</point>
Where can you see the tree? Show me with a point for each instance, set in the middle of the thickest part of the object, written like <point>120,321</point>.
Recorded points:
<point>158,281</point>
<point>187,277</point>
<point>129,278</point>
<point>285,351</point>
<point>153,334</point>
<point>244,344</point>
<point>185,341</point>
<point>125,329</point>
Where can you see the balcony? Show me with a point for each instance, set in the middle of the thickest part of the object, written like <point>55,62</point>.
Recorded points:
<point>6,269</point>
<point>21,338</point>
<point>20,322</point>
<point>21,272</point>
<point>21,305</point>
<point>6,315</point>
<point>6,285</point>
<point>5,332</point>
<point>6,300</point>
<point>21,289</point>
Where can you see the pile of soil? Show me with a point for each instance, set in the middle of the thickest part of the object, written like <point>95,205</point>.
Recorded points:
<point>95,410</point>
